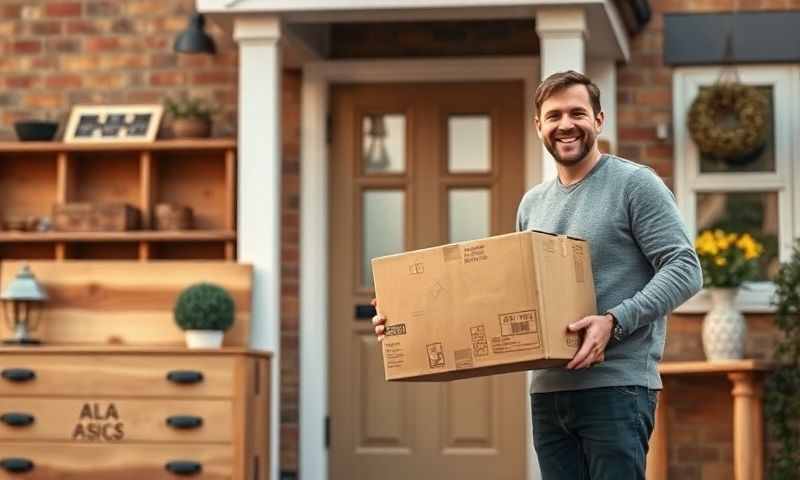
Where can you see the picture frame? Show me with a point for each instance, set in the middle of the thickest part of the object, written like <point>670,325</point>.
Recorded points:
<point>113,123</point>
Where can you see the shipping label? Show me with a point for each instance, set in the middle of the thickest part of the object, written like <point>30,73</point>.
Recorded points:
<point>480,346</point>
<point>392,330</point>
<point>394,354</point>
<point>475,253</point>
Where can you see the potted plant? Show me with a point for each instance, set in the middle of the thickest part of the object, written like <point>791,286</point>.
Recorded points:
<point>782,400</point>
<point>191,116</point>
<point>204,311</point>
<point>728,260</point>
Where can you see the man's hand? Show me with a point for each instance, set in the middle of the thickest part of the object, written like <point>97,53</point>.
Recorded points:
<point>597,332</point>
<point>378,320</point>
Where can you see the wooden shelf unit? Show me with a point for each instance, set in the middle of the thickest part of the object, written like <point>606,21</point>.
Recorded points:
<point>200,174</point>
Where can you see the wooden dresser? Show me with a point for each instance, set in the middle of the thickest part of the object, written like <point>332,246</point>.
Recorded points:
<point>135,404</point>
<point>101,413</point>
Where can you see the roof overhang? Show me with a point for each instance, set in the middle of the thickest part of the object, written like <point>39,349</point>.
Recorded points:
<point>608,26</point>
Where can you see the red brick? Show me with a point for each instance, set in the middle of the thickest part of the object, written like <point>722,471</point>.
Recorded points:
<point>660,151</point>
<point>145,96</point>
<point>24,47</point>
<point>80,27</point>
<point>64,45</point>
<point>106,81</point>
<point>44,100</point>
<point>697,453</point>
<point>168,78</point>
<point>79,63</point>
<point>46,28</point>
<point>47,62</point>
<point>627,134</point>
<point>214,78</point>
<point>658,97</point>
<point>22,81</point>
<point>65,9</point>
<point>103,8</point>
<point>10,11</point>
<point>102,44</point>
<point>64,80</point>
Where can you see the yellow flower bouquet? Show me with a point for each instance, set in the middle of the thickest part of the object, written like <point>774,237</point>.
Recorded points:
<point>728,259</point>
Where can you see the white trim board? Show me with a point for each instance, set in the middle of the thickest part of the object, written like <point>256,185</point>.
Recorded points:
<point>314,213</point>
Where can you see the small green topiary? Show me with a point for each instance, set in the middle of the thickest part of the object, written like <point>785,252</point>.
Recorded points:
<point>204,306</point>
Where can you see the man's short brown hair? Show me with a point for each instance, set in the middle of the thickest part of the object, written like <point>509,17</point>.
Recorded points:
<point>563,80</point>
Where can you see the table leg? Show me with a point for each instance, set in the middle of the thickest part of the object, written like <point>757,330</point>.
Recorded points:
<point>746,438</point>
<point>657,456</point>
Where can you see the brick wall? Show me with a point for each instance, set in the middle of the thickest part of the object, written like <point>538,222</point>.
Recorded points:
<point>55,54</point>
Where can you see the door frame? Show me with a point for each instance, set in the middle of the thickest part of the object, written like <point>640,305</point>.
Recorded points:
<point>314,213</point>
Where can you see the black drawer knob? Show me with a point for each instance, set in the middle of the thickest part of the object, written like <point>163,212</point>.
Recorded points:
<point>184,467</point>
<point>18,374</point>
<point>185,422</point>
<point>185,376</point>
<point>14,419</point>
<point>16,465</point>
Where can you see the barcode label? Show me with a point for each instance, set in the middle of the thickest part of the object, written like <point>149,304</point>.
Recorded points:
<point>518,323</point>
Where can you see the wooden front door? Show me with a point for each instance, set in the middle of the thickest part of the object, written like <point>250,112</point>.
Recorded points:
<point>413,166</point>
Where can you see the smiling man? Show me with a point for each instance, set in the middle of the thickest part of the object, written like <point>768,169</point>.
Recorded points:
<point>595,423</point>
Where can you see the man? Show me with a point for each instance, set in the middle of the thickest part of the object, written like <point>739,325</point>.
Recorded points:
<point>595,423</point>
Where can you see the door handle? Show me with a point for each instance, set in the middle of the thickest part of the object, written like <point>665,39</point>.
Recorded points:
<point>16,465</point>
<point>183,467</point>
<point>14,419</point>
<point>185,422</point>
<point>185,376</point>
<point>18,374</point>
<point>365,312</point>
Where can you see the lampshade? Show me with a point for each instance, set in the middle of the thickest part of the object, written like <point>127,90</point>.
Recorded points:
<point>24,287</point>
<point>195,39</point>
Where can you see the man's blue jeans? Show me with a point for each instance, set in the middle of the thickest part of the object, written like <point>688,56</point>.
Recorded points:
<point>595,434</point>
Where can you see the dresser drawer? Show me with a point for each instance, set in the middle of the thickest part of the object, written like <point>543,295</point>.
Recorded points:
<point>117,375</point>
<point>103,420</point>
<point>64,461</point>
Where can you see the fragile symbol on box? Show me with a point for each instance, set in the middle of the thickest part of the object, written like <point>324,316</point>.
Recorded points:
<point>435,355</point>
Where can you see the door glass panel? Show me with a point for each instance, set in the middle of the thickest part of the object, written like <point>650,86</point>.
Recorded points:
<point>469,141</point>
<point>761,160</point>
<point>383,225</point>
<point>739,212</point>
<point>384,138</point>
<point>468,214</point>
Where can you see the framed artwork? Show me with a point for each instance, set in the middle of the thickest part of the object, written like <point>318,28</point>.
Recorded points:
<point>113,123</point>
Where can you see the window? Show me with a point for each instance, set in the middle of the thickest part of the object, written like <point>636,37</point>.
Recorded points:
<point>758,194</point>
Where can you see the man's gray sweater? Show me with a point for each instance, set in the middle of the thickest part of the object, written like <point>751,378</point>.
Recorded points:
<point>643,264</point>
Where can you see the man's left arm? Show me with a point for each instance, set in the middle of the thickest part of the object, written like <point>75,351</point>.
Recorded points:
<point>663,239</point>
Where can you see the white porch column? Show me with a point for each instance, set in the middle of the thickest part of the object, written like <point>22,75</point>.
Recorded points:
<point>562,46</point>
<point>259,190</point>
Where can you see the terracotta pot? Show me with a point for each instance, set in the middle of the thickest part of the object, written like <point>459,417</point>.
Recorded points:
<point>191,127</point>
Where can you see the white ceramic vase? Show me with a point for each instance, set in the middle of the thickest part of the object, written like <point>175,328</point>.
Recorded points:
<point>724,327</point>
<point>204,338</point>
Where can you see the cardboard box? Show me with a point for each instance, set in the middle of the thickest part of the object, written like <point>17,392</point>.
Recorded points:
<point>483,307</point>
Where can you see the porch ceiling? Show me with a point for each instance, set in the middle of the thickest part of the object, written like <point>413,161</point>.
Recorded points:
<point>306,21</point>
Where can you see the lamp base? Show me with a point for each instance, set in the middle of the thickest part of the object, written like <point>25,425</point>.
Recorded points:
<point>21,341</point>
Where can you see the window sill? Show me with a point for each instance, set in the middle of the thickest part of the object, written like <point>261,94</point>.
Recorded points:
<point>753,297</point>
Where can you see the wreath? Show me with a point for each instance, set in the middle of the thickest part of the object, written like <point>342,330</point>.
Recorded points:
<point>712,130</point>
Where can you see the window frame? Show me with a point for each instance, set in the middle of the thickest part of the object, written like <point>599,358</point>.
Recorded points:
<point>754,297</point>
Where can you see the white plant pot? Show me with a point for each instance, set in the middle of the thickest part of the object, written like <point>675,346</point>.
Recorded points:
<point>724,327</point>
<point>204,338</point>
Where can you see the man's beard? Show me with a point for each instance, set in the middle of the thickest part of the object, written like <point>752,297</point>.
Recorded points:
<point>585,147</point>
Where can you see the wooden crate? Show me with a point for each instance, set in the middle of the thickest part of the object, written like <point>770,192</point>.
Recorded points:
<point>95,217</point>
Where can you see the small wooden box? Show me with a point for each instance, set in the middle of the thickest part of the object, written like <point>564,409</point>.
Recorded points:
<point>95,217</point>
<point>169,216</point>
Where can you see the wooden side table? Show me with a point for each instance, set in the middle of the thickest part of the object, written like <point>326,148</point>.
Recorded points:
<point>746,376</point>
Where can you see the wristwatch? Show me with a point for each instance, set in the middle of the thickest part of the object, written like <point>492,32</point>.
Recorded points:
<point>616,329</point>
